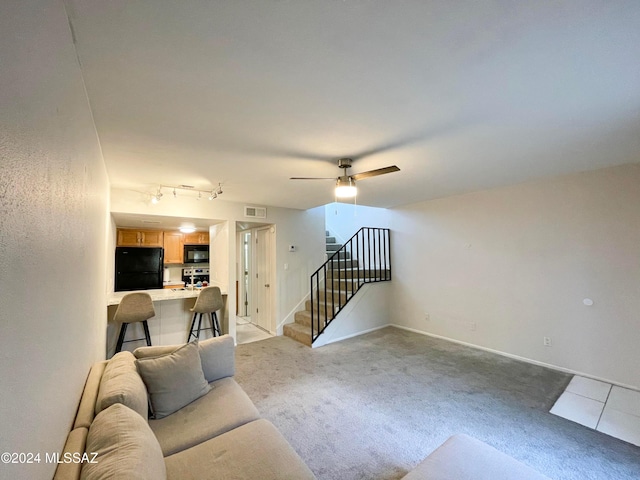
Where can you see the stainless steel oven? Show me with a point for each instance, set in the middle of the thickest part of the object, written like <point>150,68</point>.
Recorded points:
<point>198,274</point>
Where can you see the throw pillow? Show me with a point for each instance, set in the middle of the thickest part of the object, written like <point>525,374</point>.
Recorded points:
<point>125,447</point>
<point>217,357</point>
<point>121,383</point>
<point>173,380</point>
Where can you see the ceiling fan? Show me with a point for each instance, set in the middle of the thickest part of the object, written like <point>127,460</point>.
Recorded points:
<point>346,184</point>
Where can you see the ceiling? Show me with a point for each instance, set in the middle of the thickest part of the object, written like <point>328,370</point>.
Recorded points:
<point>461,95</point>
<point>132,220</point>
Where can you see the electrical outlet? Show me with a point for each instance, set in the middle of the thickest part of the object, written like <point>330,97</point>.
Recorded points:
<point>546,341</point>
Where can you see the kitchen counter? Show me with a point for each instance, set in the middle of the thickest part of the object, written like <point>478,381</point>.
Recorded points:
<point>170,326</point>
<point>158,294</point>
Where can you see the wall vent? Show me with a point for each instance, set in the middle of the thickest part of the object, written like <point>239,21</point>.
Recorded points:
<point>255,212</point>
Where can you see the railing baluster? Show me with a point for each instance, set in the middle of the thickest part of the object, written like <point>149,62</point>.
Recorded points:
<point>377,253</point>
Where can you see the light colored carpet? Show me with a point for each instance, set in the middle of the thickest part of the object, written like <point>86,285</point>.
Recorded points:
<point>372,407</point>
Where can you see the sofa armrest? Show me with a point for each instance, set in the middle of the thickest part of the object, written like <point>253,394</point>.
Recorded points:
<point>74,447</point>
<point>217,355</point>
<point>86,409</point>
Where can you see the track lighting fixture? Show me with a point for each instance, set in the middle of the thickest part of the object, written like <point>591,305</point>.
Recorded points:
<point>211,194</point>
<point>156,198</point>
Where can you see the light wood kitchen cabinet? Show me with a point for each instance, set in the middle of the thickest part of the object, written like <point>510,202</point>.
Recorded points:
<point>196,238</point>
<point>139,238</point>
<point>173,247</point>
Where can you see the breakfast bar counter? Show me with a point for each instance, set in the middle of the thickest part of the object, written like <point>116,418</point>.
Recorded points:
<point>158,294</point>
<point>170,325</point>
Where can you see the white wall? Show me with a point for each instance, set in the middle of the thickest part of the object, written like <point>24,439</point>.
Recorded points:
<point>53,223</point>
<point>343,220</point>
<point>304,229</point>
<point>368,310</point>
<point>219,241</point>
<point>504,268</point>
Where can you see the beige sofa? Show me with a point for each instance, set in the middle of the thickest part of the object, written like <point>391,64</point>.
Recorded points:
<point>203,427</point>
<point>176,412</point>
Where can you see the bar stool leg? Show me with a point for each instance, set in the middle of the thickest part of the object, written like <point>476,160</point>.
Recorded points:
<point>193,323</point>
<point>123,330</point>
<point>199,324</point>
<point>145,325</point>
<point>215,325</point>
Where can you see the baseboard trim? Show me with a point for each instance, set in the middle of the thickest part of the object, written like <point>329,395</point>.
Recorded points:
<point>357,334</point>
<point>516,357</point>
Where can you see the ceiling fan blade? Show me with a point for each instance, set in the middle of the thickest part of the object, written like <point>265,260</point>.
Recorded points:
<point>312,178</point>
<point>375,173</point>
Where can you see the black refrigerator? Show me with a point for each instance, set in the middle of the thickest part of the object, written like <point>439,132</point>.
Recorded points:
<point>138,268</point>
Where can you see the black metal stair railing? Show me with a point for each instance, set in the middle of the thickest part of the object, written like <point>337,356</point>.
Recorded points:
<point>364,258</point>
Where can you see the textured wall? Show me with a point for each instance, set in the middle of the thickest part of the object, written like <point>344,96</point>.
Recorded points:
<point>504,268</point>
<point>53,220</point>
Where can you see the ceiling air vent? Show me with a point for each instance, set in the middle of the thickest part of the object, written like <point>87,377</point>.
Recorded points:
<point>255,212</point>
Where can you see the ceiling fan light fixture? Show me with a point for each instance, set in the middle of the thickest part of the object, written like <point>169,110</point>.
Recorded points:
<point>346,188</point>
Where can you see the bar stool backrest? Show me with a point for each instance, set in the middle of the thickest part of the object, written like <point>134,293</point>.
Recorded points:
<point>209,300</point>
<point>134,307</point>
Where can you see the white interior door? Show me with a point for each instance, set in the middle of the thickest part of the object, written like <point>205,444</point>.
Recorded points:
<point>263,288</point>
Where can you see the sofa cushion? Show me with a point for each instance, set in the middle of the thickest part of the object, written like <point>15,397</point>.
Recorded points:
<point>125,447</point>
<point>173,380</point>
<point>224,408</point>
<point>121,383</point>
<point>465,458</point>
<point>254,450</point>
<point>216,354</point>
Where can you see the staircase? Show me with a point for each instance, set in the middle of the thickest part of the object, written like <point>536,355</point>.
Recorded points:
<point>339,278</point>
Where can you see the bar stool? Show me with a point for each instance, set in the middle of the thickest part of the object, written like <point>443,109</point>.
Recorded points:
<point>134,307</point>
<point>209,301</point>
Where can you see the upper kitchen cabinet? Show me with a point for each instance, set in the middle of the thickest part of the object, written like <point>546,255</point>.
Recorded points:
<point>173,247</point>
<point>196,238</point>
<point>139,238</point>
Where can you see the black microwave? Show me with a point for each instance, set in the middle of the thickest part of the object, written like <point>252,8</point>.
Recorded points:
<point>196,254</point>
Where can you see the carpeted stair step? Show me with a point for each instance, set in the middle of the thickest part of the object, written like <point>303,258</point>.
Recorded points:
<point>342,263</point>
<point>323,307</point>
<point>300,333</point>
<point>362,273</point>
<point>348,284</point>
<point>331,239</point>
<point>333,256</point>
<point>335,294</point>
<point>333,247</point>
<point>303,317</point>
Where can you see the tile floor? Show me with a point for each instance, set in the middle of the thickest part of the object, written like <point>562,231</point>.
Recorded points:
<point>247,332</point>
<point>604,407</point>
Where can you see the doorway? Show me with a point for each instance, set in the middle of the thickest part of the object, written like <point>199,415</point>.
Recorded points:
<point>256,279</point>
